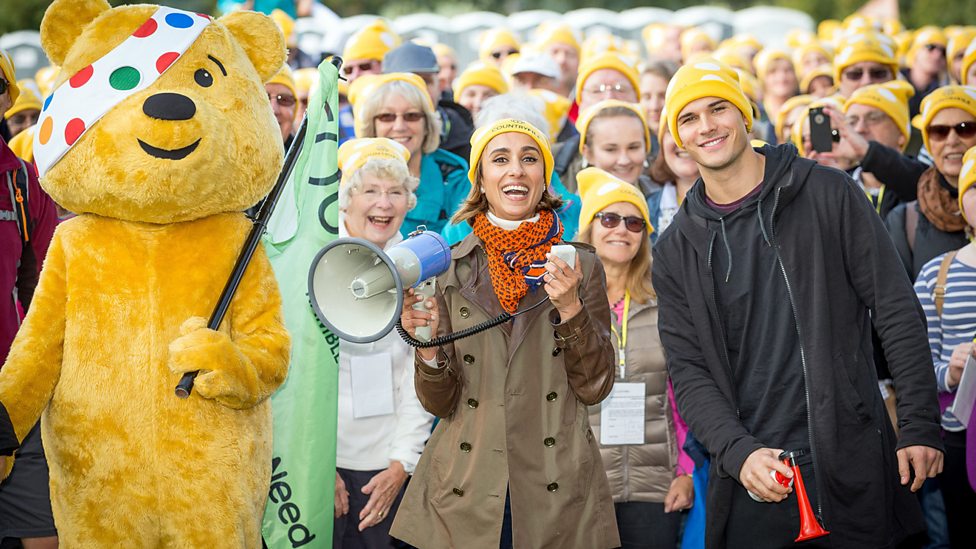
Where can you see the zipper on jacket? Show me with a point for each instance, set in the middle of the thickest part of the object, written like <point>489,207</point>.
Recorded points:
<point>803,359</point>
<point>725,349</point>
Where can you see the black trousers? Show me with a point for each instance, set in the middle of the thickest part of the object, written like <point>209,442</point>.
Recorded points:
<point>960,500</point>
<point>645,525</point>
<point>345,530</point>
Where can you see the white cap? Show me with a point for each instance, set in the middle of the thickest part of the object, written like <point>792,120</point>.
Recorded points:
<point>538,63</point>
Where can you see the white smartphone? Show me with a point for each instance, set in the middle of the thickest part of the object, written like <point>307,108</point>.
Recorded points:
<point>566,252</point>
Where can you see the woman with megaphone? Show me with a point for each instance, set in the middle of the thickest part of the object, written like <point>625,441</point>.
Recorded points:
<point>381,425</point>
<point>513,461</point>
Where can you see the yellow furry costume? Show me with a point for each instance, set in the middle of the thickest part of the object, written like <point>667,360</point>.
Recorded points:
<point>119,313</point>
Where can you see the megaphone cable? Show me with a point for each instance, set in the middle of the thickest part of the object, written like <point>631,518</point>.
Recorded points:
<point>467,332</point>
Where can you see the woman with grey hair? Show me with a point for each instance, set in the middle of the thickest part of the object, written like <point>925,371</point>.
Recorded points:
<point>397,106</point>
<point>381,432</point>
<point>527,108</point>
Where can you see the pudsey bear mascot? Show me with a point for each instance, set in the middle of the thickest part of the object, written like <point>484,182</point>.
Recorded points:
<point>158,134</point>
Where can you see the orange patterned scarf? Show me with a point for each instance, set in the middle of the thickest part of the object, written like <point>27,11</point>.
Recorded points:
<point>516,258</point>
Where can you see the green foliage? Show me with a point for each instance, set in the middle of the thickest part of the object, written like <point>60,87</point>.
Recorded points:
<point>21,14</point>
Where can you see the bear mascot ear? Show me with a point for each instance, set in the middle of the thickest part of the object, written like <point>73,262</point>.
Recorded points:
<point>63,22</point>
<point>260,38</point>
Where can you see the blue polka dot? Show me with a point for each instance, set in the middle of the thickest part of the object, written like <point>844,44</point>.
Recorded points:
<point>47,102</point>
<point>179,20</point>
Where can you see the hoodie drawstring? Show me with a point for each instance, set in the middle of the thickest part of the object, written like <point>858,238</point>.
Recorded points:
<point>728,249</point>
<point>762,224</point>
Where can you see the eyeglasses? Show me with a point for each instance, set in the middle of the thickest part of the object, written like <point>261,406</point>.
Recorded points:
<point>940,132</point>
<point>363,67</point>
<point>876,74</point>
<point>610,220</point>
<point>4,85</point>
<point>933,47</point>
<point>395,194</point>
<point>500,54</point>
<point>285,101</point>
<point>390,117</point>
<point>613,89</point>
<point>870,119</point>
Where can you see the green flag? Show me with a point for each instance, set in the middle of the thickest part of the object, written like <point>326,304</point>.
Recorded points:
<point>299,509</point>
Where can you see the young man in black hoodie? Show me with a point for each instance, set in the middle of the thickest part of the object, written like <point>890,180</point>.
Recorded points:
<point>768,281</point>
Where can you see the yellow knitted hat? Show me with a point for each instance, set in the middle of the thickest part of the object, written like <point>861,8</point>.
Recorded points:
<point>798,38</point>
<point>482,136</point>
<point>805,49</point>
<point>28,99</point>
<point>751,86</point>
<point>958,44</point>
<point>599,189</point>
<point>354,153</point>
<point>967,176</point>
<point>784,111</point>
<point>764,60</point>
<point>812,74</point>
<point>967,61</point>
<point>371,42</point>
<point>607,60</point>
<point>45,78</point>
<point>556,109</point>
<point>22,144</point>
<point>695,37</point>
<point>369,83</point>
<point>283,77</point>
<point>587,116</point>
<point>928,35</point>
<point>704,78</point>
<point>861,47</point>
<point>731,57</point>
<point>480,74</point>
<point>551,32</point>
<point>493,39</point>
<point>285,24</point>
<point>960,97</point>
<point>891,98</point>
<point>306,79</point>
<point>10,75</point>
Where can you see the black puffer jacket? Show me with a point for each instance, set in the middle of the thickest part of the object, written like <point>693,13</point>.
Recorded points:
<point>840,265</point>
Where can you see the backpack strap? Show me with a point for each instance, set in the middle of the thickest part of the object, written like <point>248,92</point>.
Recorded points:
<point>19,199</point>
<point>911,224</point>
<point>939,293</point>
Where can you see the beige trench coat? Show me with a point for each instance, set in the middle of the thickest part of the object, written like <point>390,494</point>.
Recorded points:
<point>513,402</point>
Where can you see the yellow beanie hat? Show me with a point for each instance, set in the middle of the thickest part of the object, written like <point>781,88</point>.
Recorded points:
<point>731,57</point>
<point>764,60</point>
<point>285,24</point>
<point>751,86</point>
<point>958,44</point>
<point>891,98</point>
<point>482,136</point>
<point>493,39</point>
<point>283,77</point>
<point>587,116</point>
<point>812,74</point>
<point>798,38</point>
<point>828,29</point>
<point>354,153</point>
<point>693,38</point>
<point>551,32</point>
<point>862,47</point>
<point>960,97</point>
<point>967,176</point>
<point>27,100</point>
<point>480,74</point>
<point>369,83</point>
<point>22,144</point>
<point>806,49</point>
<point>704,78</point>
<point>556,109</point>
<point>792,103</point>
<point>599,189</point>
<point>928,35</point>
<point>371,42</point>
<point>45,77</point>
<point>306,79</point>
<point>607,60</point>
<point>10,75</point>
<point>967,61</point>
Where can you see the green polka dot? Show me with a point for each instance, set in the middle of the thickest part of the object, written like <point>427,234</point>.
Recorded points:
<point>124,78</point>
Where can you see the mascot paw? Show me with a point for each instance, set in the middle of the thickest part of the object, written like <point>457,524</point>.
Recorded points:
<point>226,375</point>
<point>6,465</point>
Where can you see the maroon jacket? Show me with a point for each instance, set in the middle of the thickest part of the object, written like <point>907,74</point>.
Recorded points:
<point>15,274</point>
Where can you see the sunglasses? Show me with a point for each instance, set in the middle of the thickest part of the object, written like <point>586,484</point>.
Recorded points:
<point>363,67</point>
<point>933,47</point>
<point>390,117</point>
<point>500,54</point>
<point>875,74</point>
<point>285,101</point>
<point>610,220</point>
<point>3,85</point>
<point>940,132</point>
<point>612,89</point>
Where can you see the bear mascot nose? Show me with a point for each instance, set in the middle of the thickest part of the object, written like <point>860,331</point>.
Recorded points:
<point>169,106</point>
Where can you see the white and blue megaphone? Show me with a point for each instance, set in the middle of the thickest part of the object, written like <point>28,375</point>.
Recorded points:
<point>356,288</point>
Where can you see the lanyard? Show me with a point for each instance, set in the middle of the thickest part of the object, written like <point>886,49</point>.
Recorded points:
<point>877,206</point>
<point>622,337</point>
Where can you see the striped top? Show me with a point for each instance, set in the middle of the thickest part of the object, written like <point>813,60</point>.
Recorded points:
<point>958,322</point>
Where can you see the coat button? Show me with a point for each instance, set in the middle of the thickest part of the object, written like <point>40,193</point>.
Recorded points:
<point>552,396</point>
<point>464,312</point>
<point>549,442</point>
<point>468,359</point>
<point>458,492</point>
<point>552,487</point>
<point>472,403</point>
<point>465,447</point>
<point>556,351</point>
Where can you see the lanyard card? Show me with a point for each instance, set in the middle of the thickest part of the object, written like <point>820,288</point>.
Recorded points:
<point>622,415</point>
<point>372,385</point>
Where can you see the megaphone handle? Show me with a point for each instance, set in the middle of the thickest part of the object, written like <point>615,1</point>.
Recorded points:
<point>426,290</point>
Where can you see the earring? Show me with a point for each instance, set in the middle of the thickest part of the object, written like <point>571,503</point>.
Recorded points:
<point>482,189</point>
<point>584,164</point>
<point>646,163</point>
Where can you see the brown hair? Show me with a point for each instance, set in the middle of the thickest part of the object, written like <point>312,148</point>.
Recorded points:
<point>660,172</point>
<point>638,281</point>
<point>610,112</point>
<point>663,68</point>
<point>477,203</point>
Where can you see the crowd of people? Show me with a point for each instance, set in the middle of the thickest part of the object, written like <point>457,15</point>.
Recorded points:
<point>773,341</point>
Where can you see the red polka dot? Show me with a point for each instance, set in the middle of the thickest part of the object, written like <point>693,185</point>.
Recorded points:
<point>73,130</point>
<point>165,60</point>
<point>81,77</point>
<point>146,29</point>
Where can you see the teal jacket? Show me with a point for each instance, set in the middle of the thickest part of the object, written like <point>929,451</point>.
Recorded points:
<point>443,186</point>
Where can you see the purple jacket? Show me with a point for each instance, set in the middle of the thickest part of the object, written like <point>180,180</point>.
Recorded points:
<point>15,274</point>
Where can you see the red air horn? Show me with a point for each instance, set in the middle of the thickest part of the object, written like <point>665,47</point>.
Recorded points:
<point>810,527</point>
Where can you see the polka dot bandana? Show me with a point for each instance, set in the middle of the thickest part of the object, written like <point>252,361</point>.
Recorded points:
<point>134,65</point>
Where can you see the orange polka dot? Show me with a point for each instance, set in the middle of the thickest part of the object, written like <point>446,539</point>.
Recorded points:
<point>47,127</point>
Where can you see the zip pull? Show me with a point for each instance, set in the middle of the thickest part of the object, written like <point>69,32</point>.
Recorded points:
<point>23,214</point>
